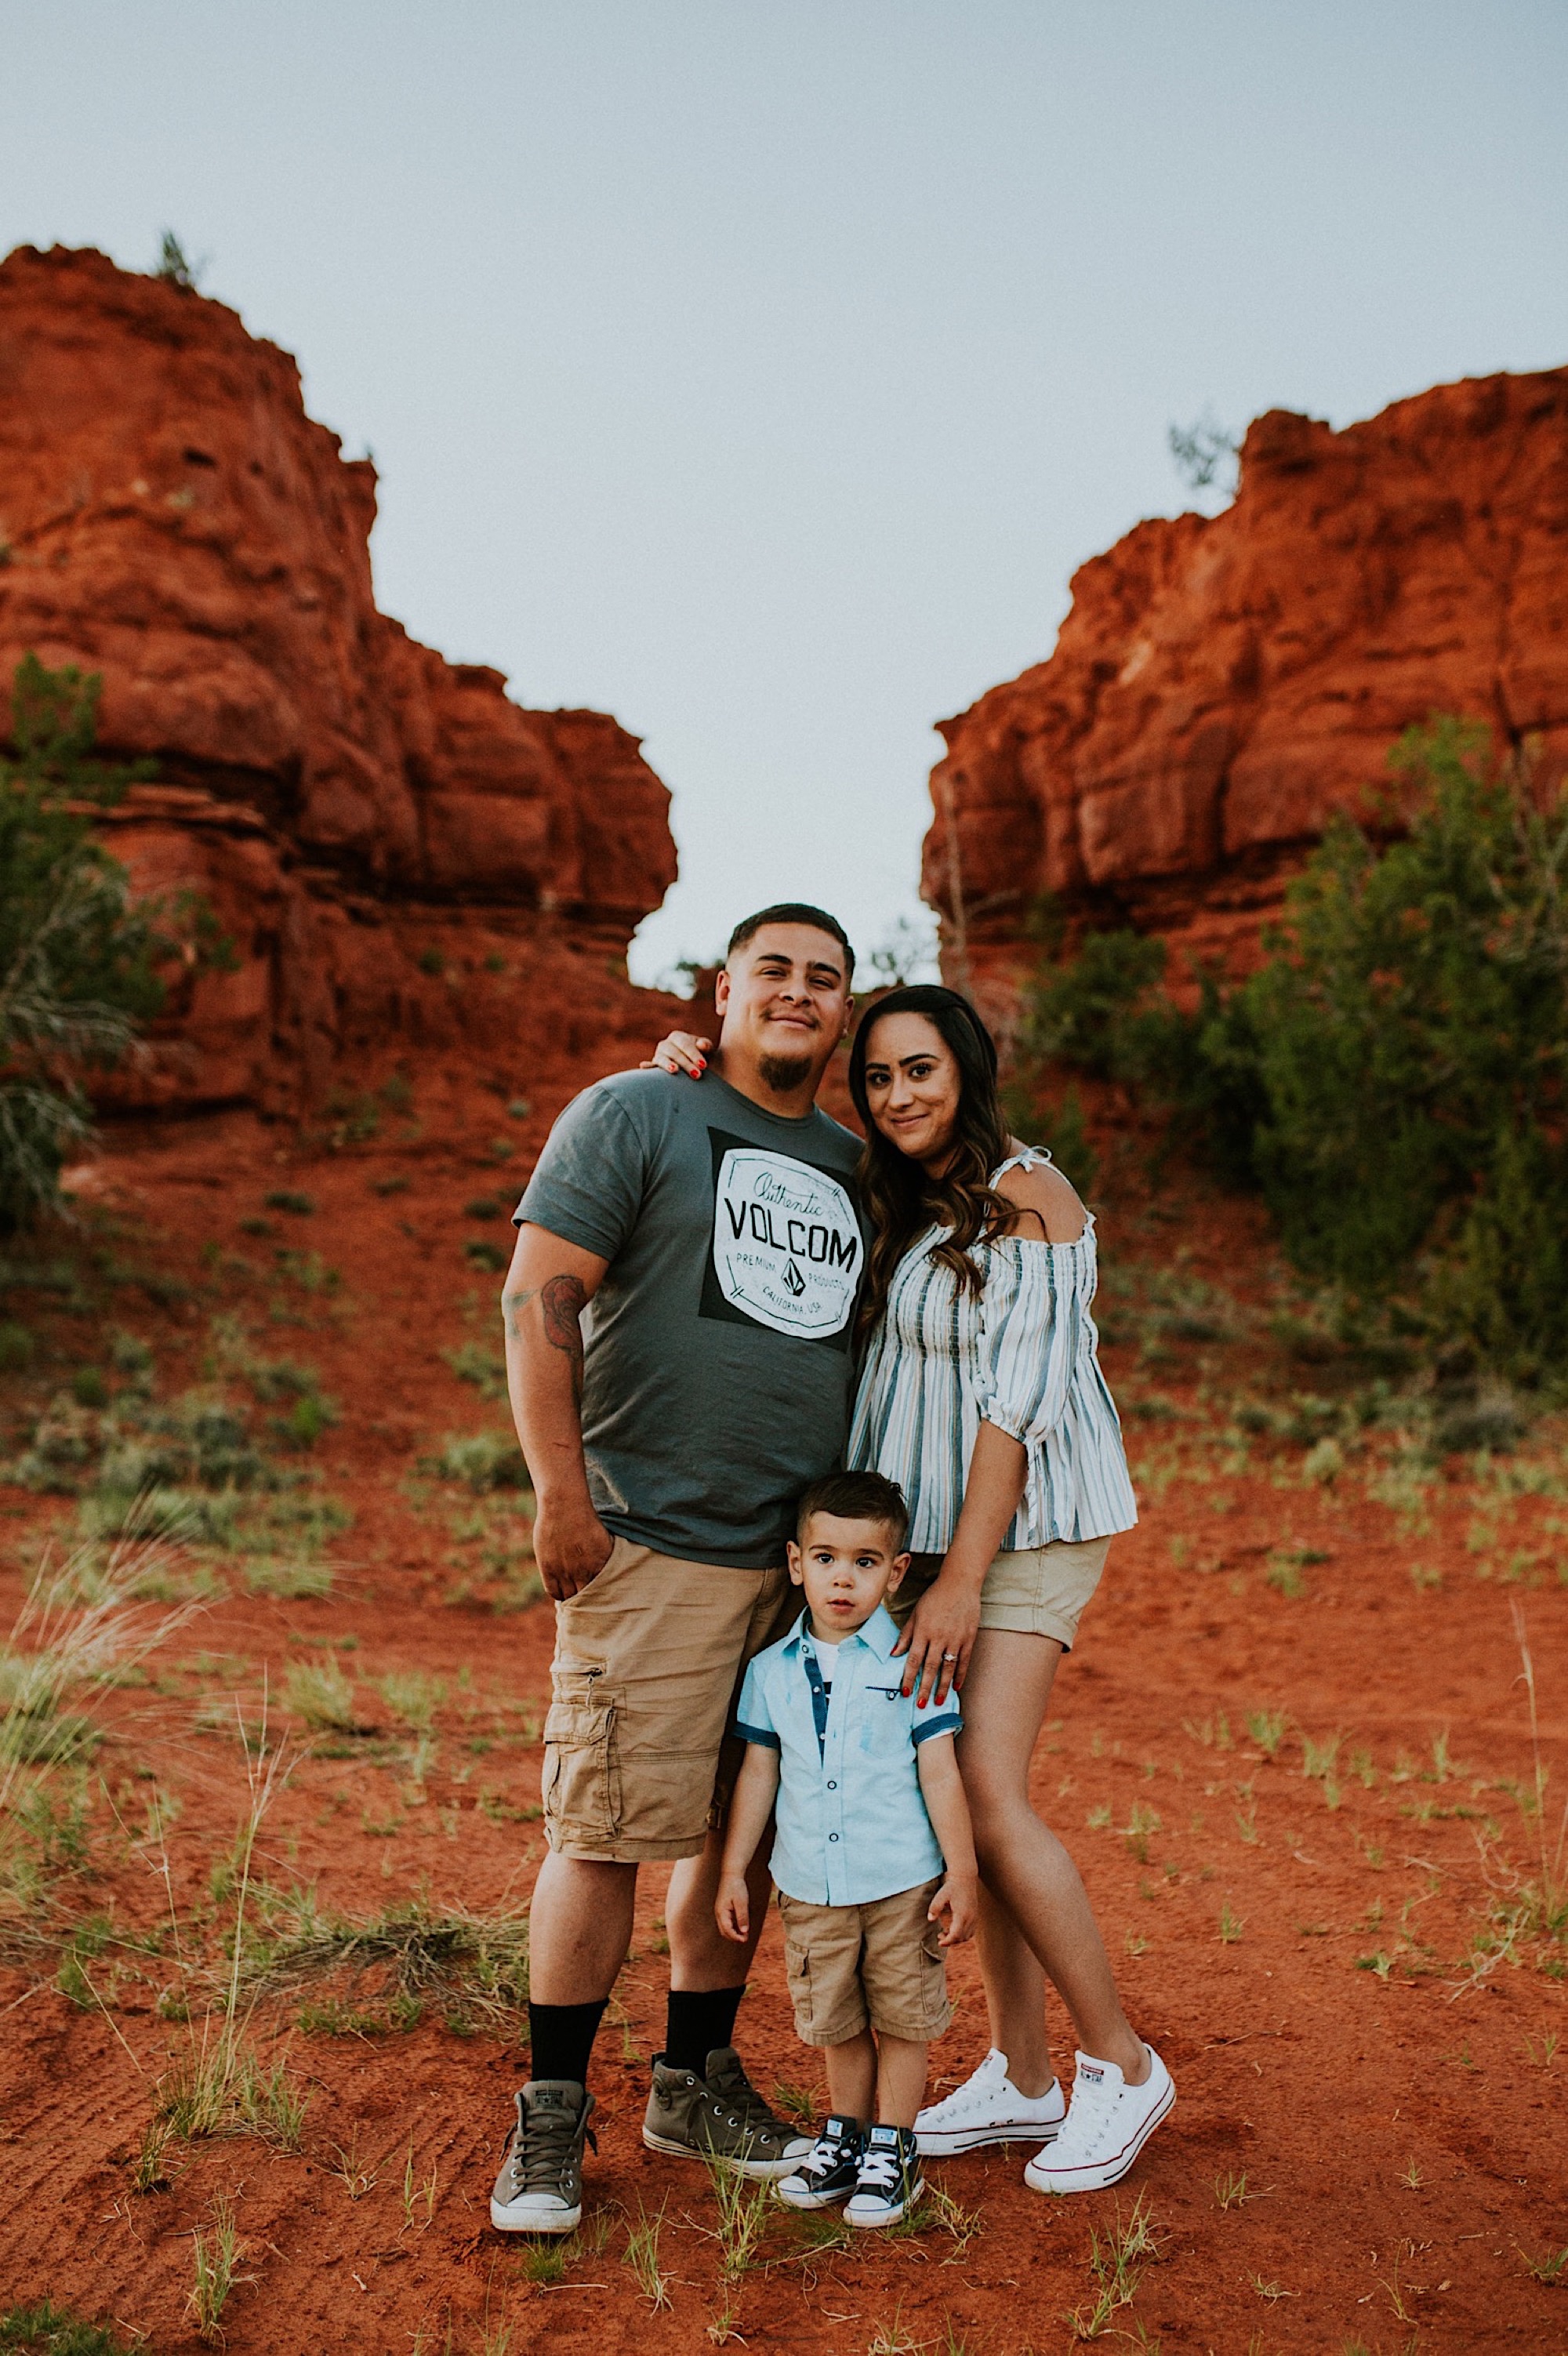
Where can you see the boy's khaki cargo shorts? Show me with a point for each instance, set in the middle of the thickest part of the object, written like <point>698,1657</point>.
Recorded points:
<point>880,1963</point>
<point>648,1659</point>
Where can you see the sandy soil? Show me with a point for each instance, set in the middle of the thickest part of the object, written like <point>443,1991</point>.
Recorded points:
<point>1332,1947</point>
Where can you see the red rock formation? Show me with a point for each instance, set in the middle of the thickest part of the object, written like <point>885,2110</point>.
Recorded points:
<point>170,518</point>
<point>1221,685</point>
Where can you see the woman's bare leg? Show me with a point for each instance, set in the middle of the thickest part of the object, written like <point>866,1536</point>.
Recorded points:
<point>1015,1997</point>
<point>1025,1867</point>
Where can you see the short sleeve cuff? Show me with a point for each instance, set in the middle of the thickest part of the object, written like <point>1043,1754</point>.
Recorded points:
<point>947,1723</point>
<point>763,1736</point>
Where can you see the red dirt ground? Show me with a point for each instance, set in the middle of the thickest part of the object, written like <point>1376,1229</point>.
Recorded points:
<point>1366,2064</point>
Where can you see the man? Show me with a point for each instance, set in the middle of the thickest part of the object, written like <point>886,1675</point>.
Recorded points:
<point>678,1323</point>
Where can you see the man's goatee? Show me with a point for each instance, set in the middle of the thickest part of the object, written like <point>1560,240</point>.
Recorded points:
<point>783,1074</point>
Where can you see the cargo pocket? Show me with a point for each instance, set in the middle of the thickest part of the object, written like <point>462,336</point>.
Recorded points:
<point>581,1784</point>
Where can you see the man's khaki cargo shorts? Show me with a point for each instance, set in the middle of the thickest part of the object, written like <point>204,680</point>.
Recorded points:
<point>639,1761</point>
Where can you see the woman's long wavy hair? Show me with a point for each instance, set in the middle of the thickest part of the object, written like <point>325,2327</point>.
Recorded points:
<point>902,1201</point>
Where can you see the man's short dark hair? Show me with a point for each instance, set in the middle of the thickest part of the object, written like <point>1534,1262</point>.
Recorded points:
<point>793,912</point>
<point>856,1497</point>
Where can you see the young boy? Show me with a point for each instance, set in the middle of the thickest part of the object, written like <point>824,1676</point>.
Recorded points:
<point>870,1812</point>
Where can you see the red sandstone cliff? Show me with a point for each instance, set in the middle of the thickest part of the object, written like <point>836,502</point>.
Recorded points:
<point>1221,685</point>
<point>350,802</point>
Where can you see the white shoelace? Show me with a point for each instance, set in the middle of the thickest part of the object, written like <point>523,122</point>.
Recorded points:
<point>976,2091</point>
<point>1091,2107</point>
<point>878,2171</point>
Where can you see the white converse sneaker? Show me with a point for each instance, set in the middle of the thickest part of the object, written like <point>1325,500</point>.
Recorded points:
<point>1108,2124</point>
<point>988,2108</point>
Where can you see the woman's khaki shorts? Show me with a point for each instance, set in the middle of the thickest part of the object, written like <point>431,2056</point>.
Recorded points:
<point>1040,1592</point>
<point>648,1660</point>
<point>880,1963</point>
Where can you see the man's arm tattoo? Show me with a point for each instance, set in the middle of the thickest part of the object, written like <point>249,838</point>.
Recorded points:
<point>564,1298</point>
<point>513,1306</point>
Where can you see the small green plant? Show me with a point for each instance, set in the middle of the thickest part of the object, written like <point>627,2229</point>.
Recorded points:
<point>418,2192</point>
<point>1116,2263</point>
<point>430,960</point>
<point>482,1254</point>
<point>1142,1822</point>
<point>744,2209</point>
<point>1267,1728</point>
<point>218,2256</point>
<point>289,1198</point>
<point>1230,2189</point>
<point>1550,2268</point>
<point>319,1692</point>
<point>482,1460</point>
<point>1413,2176</point>
<point>1231,1925</point>
<point>642,2256</point>
<point>50,2331</point>
<point>413,1697</point>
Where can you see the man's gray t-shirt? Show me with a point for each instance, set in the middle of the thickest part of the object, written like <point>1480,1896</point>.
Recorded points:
<point>717,1348</point>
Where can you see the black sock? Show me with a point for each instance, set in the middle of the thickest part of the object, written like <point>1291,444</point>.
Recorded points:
<point>698,2023</point>
<point>560,2038</point>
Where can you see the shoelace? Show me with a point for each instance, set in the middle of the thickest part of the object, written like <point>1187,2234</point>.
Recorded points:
<point>1087,2114</point>
<point>976,2090</point>
<point>746,2107</point>
<point>539,2156</point>
<point>823,2157</point>
<point>879,2171</point>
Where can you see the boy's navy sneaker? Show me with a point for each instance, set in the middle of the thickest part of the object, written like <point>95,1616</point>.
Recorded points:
<point>888,2182</point>
<point>830,2170</point>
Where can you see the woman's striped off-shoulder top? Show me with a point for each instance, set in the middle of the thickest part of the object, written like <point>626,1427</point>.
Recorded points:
<point>1020,1353</point>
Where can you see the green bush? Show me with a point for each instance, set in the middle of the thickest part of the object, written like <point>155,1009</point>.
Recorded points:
<point>1392,1077</point>
<point>79,961</point>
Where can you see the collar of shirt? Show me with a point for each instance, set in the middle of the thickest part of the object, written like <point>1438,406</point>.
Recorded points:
<point>879,1634</point>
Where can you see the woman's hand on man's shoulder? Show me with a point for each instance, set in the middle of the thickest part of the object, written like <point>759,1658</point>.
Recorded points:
<point>680,1051</point>
<point>1047,1207</point>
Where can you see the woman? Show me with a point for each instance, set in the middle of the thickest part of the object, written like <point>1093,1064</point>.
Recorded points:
<point>981,1393</point>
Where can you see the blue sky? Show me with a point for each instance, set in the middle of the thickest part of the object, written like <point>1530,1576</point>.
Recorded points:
<point>761,372</point>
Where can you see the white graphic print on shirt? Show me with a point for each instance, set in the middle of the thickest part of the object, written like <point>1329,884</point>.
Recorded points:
<point>786,1243</point>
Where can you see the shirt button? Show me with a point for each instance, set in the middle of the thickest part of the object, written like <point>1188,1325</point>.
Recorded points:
<point>832,1787</point>
<point>833,1836</point>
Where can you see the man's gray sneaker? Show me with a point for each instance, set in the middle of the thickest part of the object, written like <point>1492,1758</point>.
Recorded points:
<point>539,2188</point>
<point>719,2116</point>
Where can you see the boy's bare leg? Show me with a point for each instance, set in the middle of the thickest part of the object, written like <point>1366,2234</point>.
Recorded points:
<point>851,2077</point>
<point>900,2080</point>
<point>579,1928</point>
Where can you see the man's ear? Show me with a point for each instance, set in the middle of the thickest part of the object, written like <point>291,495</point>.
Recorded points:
<point>797,1565</point>
<point>721,991</point>
<point>896,1576</point>
<point>848,1018</point>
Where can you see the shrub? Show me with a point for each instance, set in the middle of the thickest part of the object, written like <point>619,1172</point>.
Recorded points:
<point>1393,1076</point>
<point>483,1460</point>
<point>79,961</point>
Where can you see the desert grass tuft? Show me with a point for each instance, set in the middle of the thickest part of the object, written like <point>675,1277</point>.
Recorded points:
<point>217,2257</point>
<point>642,2256</point>
<point>51,2331</point>
<point>473,1966</point>
<point>1117,2263</point>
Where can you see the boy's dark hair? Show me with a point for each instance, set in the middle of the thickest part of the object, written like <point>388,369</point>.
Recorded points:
<point>857,1497</point>
<point>793,912</point>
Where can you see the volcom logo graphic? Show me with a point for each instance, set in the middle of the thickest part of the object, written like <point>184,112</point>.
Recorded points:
<point>786,1243</point>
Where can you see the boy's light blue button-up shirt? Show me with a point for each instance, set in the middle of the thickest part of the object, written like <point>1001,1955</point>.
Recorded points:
<point>852,1819</point>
